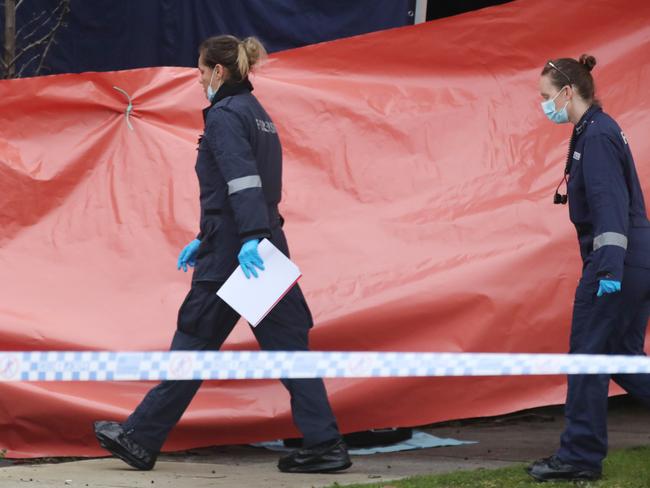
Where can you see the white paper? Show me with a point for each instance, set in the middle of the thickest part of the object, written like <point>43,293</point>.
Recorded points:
<point>253,298</point>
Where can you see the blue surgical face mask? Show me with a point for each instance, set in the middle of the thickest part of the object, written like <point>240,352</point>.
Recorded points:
<point>211,92</point>
<point>558,116</point>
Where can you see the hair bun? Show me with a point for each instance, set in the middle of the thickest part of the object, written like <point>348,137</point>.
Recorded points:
<point>588,60</point>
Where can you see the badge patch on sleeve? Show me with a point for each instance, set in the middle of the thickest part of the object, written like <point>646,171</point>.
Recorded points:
<point>576,155</point>
<point>624,138</point>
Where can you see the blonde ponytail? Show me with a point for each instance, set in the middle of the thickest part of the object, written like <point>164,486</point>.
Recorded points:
<point>251,52</point>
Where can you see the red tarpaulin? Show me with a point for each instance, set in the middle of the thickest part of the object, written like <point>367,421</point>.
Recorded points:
<point>419,175</point>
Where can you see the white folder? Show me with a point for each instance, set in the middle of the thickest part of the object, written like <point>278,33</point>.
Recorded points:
<point>253,298</point>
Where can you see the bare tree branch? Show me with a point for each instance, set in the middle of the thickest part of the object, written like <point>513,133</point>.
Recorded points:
<point>47,38</point>
<point>45,23</point>
<point>35,19</point>
<point>24,66</point>
<point>9,46</point>
<point>34,44</point>
<point>65,9</point>
<point>48,22</point>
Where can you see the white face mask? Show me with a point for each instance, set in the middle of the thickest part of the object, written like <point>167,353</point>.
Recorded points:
<point>211,92</point>
<point>554,115</point>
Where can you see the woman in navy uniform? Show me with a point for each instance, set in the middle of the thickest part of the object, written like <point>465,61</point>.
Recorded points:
<point>612,300</point>
<point>239,168</point>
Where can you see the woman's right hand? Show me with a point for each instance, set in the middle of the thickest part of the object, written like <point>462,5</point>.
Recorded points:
<point>188,255</point>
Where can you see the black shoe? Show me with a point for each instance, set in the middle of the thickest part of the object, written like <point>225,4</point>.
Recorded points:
<point>553,468</point>
<point>322,458</point>
<point>111,436</point>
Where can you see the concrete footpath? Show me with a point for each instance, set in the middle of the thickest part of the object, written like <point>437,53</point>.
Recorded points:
<point>503,441</point>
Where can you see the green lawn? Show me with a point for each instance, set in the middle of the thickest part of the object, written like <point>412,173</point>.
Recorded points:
<point>629,468</point>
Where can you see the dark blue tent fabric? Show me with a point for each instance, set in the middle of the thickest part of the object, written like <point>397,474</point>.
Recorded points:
<point>103,35</point>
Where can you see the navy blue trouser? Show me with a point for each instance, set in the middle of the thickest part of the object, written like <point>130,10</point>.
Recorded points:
<point>204,323</point>
<point>611,324</point>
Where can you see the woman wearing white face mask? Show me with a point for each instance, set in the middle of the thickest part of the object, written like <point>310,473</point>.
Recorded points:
<point>612,300</point>
<point>239,168</point>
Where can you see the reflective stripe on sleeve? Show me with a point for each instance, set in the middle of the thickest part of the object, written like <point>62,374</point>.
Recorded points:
<point>244,183</point>
<point>610,239</point>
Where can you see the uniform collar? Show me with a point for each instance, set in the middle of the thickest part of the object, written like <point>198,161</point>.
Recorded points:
<point>229,89</point>
<point>586,117</point>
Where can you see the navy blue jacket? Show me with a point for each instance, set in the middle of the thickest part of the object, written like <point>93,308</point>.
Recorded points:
<point>239,167</point>
<point>605,199</point>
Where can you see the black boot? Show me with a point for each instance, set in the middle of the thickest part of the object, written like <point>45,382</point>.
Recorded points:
<point>322,458</point>
<point>111,436</point>
<point>553,468</point>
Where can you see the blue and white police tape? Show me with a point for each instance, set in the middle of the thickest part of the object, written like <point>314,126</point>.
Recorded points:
<point>236,365</point>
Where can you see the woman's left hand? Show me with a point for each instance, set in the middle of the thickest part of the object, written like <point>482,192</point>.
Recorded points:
<point>249,258</point>
<point>608,286</point>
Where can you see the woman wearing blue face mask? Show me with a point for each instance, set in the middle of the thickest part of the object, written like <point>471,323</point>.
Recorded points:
<point>612,300</point>
<point>239,168</point>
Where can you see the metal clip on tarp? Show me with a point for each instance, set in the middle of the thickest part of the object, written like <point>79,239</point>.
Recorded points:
<point>129,107</point>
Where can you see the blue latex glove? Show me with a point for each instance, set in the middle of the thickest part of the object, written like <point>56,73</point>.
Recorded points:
<point>608,286</point>
<point>249,258</point>
<point>188,255</point>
